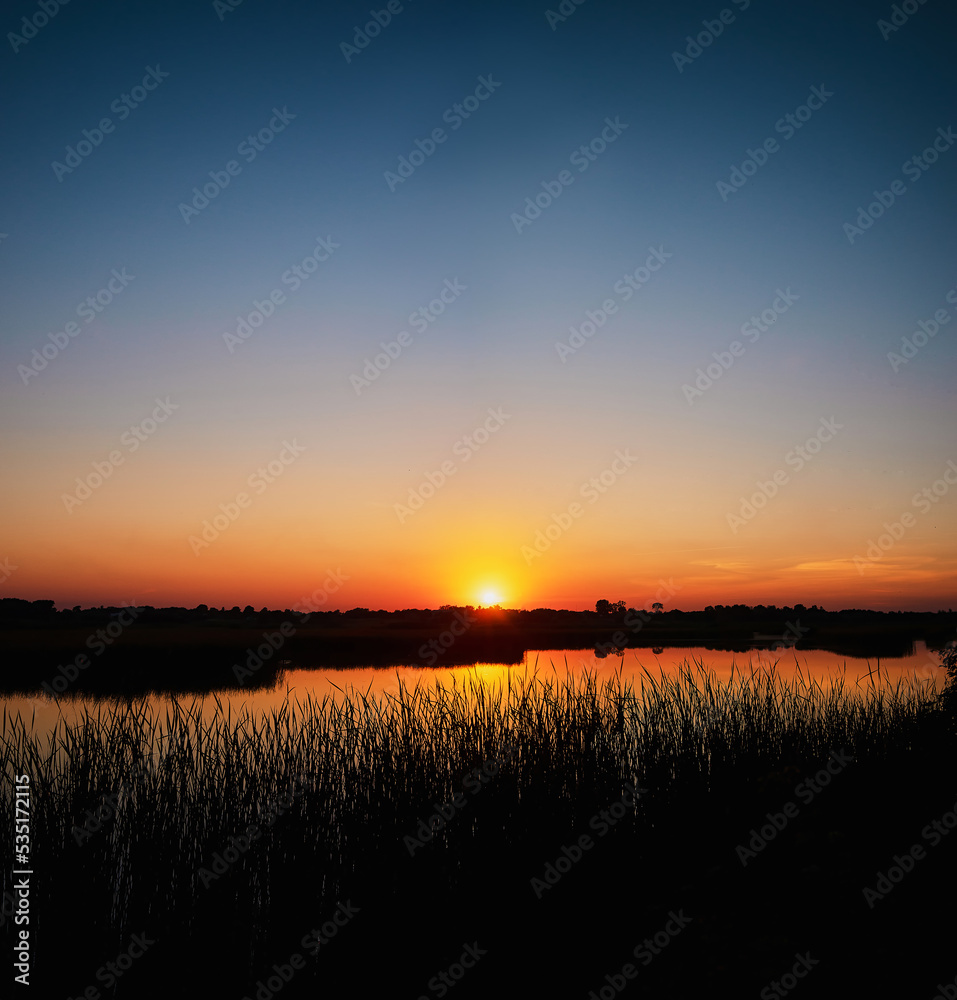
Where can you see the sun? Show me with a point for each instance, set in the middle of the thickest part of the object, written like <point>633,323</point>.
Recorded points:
<point>489,597</point>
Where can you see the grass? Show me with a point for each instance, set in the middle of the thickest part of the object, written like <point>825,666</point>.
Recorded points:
<point>360,772</point>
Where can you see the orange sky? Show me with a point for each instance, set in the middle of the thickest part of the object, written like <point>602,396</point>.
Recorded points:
<point>502,525</point>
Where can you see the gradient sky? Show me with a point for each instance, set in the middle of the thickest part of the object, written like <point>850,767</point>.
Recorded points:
<point>333,508</point>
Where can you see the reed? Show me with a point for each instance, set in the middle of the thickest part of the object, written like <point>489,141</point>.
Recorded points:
<point>359,772</point>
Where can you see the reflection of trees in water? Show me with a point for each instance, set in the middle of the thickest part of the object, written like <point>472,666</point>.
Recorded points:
<point>604,649</point>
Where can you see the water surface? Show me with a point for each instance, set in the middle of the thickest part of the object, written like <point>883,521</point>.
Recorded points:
<point>919,667</point>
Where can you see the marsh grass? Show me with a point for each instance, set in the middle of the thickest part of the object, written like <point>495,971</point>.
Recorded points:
<point>361,771</point>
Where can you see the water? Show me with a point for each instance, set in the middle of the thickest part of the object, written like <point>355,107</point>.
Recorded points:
<point>919,667</point>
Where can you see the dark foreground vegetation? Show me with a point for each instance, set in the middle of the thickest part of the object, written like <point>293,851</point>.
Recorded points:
<point>543,834</point>
<point>135,650</point>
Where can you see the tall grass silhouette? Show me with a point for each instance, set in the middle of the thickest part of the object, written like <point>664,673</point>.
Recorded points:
<point>359,773</point>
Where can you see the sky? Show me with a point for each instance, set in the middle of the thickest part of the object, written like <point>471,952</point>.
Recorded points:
<point>421,304</point>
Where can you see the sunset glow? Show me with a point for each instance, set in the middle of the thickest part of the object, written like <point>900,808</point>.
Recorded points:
<point>452,381</point>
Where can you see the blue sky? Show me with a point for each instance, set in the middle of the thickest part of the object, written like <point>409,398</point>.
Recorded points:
<point>323,176</point>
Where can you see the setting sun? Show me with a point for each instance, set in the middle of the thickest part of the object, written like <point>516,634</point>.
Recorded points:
<point>490,597</point>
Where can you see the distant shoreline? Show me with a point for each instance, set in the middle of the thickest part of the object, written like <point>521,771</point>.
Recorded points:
<point>162,648</point>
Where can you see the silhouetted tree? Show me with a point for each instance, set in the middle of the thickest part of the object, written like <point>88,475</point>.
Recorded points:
<point>604,607</point>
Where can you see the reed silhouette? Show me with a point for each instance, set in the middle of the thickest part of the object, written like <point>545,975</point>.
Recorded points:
<point>535,765</point>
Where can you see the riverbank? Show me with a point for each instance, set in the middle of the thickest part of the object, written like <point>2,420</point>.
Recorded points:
<point>176,649</point>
